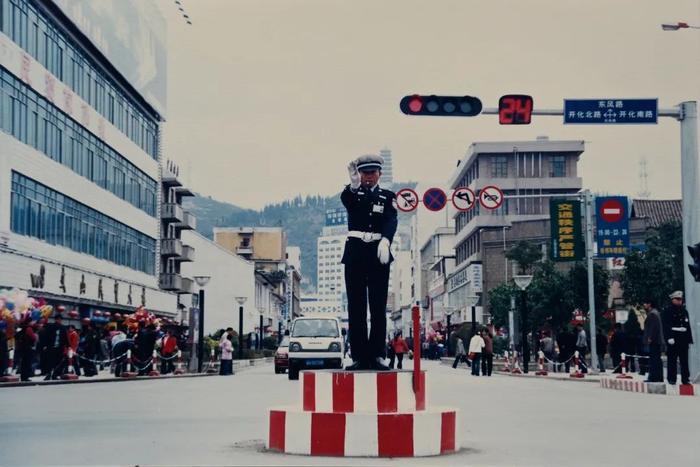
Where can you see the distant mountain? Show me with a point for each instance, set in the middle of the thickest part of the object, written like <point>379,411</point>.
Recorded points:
<point>302,218</point>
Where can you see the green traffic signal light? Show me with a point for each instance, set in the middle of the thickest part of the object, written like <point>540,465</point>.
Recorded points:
<point>441,106</point>
<point>695,268</point>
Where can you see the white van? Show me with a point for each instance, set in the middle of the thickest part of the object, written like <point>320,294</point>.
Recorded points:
<point>314,343</point>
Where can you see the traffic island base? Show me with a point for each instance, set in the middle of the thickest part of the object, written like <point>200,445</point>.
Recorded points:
<point>9,379</point>
<point>430,432</point>
<point>363,414</point>
<point>650,388</point>
<point>128,374</point>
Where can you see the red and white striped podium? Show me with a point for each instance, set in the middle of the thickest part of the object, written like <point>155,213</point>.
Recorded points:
<point>364,413</point>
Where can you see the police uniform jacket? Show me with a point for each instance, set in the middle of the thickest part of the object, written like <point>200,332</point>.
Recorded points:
<point>675,319</point>
<point>369,210</point>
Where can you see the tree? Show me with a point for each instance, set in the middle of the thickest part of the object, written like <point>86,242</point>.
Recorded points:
<point>526,254</point>
<point>578,282</point>
<point>656,272</point>
<point>499,303</point>
<point>549,297</point>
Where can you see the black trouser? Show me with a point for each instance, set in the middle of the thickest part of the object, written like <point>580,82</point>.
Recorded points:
<point>678,352</point>
<point>656,373</point>
<point>26,370</point>
<point>458,359</point>
<point>367,280</point>
<point>166,365</point>
<point>582,359</point>
<point>399,361</point>
<point>475,364</point>
<point>486,364</point>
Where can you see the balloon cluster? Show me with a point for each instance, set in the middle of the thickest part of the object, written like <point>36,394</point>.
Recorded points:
<point>18,308</point>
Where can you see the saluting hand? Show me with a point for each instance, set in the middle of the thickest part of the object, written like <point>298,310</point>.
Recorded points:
<point>354,175</point>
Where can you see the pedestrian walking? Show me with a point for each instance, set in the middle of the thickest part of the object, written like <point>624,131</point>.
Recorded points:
<point>55,346</point>
<point>653,340</point>
<point>89,348</point>
<point>567,344</point>
<point>74,345</point>
<point>601,346</point>
<point>460,353</point>
<point>547,346</point>
<point>372,223</point>
<point>618,345</point>
<point>582,347</point>
<point>226,367</point>
<point>678,335</point>
<point>476,346</point>
<point>487,354</point>
<point>399,347</point>
<point>169,349</point>
<point>25,343</point>
<point>390,354</point>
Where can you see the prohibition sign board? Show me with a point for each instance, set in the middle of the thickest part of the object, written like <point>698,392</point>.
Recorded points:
<point>612,211</point>
<point>491,197</point>
<point>434,199</point>
<point>463,199</point>
<point>406,200</point>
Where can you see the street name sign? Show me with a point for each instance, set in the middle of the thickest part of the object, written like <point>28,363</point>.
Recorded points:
<point>611,111</point>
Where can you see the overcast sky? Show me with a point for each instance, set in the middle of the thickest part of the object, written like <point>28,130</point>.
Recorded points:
<point>269,99</point>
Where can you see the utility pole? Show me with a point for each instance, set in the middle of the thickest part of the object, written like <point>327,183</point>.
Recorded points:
<point>588,205</point>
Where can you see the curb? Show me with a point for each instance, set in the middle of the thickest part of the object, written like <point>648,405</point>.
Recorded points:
<point>650,388</point>
<point>589,379</point>
<point>114,379</point>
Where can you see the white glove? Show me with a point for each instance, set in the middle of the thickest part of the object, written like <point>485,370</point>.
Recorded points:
<point>354,175</point>
<point>383,252</point>
<point>671,341</point>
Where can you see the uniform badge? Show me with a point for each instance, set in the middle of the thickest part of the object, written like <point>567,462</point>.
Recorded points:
<point>378,208</point>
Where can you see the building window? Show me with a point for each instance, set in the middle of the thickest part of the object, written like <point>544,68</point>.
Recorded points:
<point>64,59</point>
<point>499,167</point>
<point>65,141</point>
<point>558,166</point>
<point>40,212</point>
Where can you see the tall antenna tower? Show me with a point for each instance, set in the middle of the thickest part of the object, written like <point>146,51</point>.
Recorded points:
<point>643,179</point>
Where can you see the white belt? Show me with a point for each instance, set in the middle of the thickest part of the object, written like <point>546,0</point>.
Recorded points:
<point>680,329</point>
<point>365,236</point>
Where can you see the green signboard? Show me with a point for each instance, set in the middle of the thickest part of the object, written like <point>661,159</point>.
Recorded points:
<point>567,239</point>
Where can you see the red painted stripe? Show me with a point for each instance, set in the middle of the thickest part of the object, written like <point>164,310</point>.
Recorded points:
<point>309,391</point>
<point>686,390</point>
<point>387,392</point>
<point>420,393</point>
<point>448,428</point>
<point>395,435</point>
<point>277,421</point>
<point>343,392</point>
<point>327,434</point>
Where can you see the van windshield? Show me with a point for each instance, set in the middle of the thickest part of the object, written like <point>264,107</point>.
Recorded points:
<point>315,328</point>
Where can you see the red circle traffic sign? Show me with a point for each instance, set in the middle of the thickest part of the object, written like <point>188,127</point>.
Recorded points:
<point>491,197</point>
<point>434,199</point>
<point>611,211</point>
<point>463,199</point>
<point>406,200</point>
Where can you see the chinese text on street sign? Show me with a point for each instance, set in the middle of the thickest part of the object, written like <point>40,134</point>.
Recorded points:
<point>565,220</point>
<point>607,111</point>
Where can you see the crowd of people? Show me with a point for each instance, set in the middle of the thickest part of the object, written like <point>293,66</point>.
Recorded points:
<point>50,348</point>
<point>480,353</point>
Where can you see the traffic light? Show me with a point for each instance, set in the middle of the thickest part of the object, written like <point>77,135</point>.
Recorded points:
<point>442,106</point>
<point>515,109</point>
<point>695,268</point>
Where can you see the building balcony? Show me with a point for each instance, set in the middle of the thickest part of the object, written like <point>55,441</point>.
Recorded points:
<point>187,254</point>
<point>183,191</point>
<point>187,285</point>
<point>245,250</point>
<point>187,222</point>
<point>170,247</point>
<point>171,212</point>
<point>170,174</point>
<point>170,281</point>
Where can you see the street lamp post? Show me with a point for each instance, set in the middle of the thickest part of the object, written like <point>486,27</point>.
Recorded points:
<point>523,281</point>
<point>241,301</point>
<point>261,333</point>
<point>201,281</point>
<point>471,301</point>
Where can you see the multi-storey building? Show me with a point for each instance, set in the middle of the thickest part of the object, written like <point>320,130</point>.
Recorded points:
<point>80,153</point>
<point>528,173</point>
<point>388,168</point>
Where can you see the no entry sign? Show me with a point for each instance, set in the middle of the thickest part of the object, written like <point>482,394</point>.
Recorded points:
<point>491,197</point>
<point>434,199</point>
<point>406,200</point>
<point>612,226</point>
<point>611,210</point>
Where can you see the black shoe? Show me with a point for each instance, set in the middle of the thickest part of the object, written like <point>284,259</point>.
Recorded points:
<point>378,365</point>
<point>356,366</point>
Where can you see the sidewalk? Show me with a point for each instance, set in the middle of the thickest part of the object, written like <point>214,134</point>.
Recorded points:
<point>105,376</point>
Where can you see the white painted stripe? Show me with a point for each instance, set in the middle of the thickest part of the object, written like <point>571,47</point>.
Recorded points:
<point>324,391</point>
<point>297,432</point>
<point>361,433</point>
<point>611,211</point>
<point>427,433</point>
<point>457,438</point>
<point>405,397</point>
<point>365,392</point>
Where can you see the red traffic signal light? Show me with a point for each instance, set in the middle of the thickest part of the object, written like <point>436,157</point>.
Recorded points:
<point>441,106</point>
<point>515,109</point>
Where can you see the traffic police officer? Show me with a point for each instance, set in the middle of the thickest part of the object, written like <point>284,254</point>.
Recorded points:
<point>372,224</point>
<point>678,335</point>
